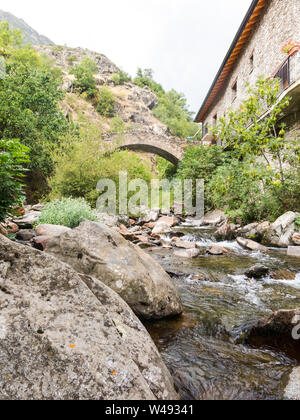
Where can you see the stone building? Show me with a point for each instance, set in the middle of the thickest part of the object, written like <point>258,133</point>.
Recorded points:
<point>257,51</point>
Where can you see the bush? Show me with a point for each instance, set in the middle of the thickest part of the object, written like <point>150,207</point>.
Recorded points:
<point>297,222</point>
<point>67,212</point>
<point>245,189</point>
<point>106,103</point>
<point>12,156</point>
<point>84,77</point>
<point>120,78</point>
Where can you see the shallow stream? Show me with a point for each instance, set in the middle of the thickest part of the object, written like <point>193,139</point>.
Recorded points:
<point>204,348</point>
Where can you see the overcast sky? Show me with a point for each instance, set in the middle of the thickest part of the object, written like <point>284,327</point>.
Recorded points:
<point>183,41</point>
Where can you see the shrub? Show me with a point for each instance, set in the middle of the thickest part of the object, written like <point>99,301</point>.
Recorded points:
<point>106,103</point>
<point>84,77</point>
<point>297,222</point>
<point>244,189</point>
<point>67,212</point>
<point>12,156</point>
<point>120,78</point>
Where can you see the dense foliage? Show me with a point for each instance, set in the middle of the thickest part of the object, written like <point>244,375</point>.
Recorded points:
<point>67,212</point>
<point>106,103</point>
<point>29,100</point>
<point>256,175</point>
<point>12,157</point>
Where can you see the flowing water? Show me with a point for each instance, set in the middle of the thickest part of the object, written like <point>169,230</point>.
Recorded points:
<point>204,348</point>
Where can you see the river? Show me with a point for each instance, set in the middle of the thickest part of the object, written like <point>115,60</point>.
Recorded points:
<point>204,348</point>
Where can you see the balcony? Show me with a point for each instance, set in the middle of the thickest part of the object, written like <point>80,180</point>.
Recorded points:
<point>289,72</point>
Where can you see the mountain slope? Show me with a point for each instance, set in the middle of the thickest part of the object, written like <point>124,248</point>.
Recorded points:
<point>30,35</point>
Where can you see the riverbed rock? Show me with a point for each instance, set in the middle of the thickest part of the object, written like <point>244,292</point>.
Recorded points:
<point>296,238</point>
<point>281,231</point>
<point>292,390</point>
<point>27,221</point>
<point>51,230</point>
<point>279,331</point>
<point>25,235</point>
<point>170,221</point>
<point>96,250</point>
<point>293,251</point>
<point>213,218</point>
<point>40,242</point>
<point>187,253</point>
<point>65,336</point>
<point>257,271</point>
<point>161,228</point>
<point>149,216</point>
<point>226,232</point>
<point>183,244</point>
<point>252,245</point>
<point>218,250</point>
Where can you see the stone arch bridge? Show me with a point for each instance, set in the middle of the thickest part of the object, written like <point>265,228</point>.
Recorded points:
<point>170,148</point>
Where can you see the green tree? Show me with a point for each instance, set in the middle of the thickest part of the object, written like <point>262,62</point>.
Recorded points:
<point>13,155</point>
<point>30,95</point>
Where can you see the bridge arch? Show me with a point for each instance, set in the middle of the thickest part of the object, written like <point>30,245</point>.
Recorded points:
<point>170,148</point>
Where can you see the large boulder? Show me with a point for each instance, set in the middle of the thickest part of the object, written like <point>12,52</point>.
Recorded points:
<point>66,336</point>
<point>280,331</point>
<point>281,232</point>
<point>96,250</point>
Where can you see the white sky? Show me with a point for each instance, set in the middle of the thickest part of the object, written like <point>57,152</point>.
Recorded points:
<point>183,41</point>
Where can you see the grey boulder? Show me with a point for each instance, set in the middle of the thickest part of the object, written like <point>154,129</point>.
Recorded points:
<point>65,336</point>
<point>103,253</point>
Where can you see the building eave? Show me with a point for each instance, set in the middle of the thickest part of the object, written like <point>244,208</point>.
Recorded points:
<point>233,54</point>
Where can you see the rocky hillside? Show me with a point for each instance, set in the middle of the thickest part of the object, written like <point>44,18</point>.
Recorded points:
<point>133,104</point>
<point>30,35</point>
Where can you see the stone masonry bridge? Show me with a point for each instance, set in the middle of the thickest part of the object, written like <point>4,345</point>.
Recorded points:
<point>149,141</point>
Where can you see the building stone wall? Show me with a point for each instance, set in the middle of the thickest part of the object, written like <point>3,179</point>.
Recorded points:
<point>279,23</point>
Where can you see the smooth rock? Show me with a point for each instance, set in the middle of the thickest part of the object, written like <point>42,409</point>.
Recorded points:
<point>170,221</point>
<point>51,230</point>
<point>278,331</point>
<point>27,221</point>
<point>218,250</point>
<point>183,244</point>
<point>252,245</point>
<point>257,271</point>
<point>293,251</point>
<point>38,207</point>
<point>66,336</point>
<point>40,242</point>
<point>96,250</point>
<point>187,253</point>
<point>161,228</point>
<point>226,232</point>
<point>213,218</point>
<point>25,235</point>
